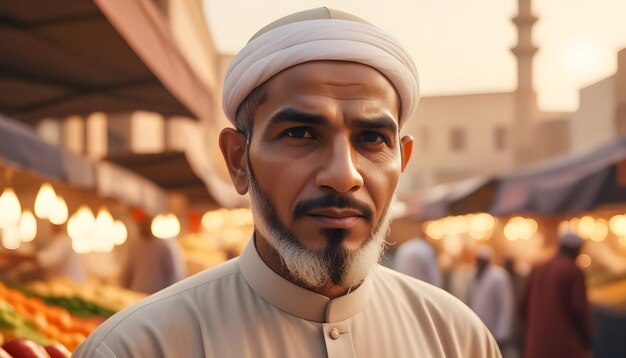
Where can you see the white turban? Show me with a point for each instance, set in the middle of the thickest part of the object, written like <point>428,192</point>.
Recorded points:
<point>317,35</point>
<point>484,252</point>
<point>571,240</point>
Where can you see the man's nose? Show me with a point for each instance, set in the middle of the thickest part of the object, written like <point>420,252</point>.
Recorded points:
<point>338,169</point>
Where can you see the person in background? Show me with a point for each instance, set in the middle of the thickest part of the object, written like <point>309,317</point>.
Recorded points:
<point>516,343</point>
<point>151,263</point>
<point>462,271</point>
<point>417,258</point>
<point>490,295</point>
<point>53,257</point>
<point>555,311</point>
<point>318,99</point>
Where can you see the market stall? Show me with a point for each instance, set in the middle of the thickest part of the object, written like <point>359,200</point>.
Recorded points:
<point>73,57</point>
<point>522,214</point>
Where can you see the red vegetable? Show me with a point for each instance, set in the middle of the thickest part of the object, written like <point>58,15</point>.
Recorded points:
<point>4,354</point>
<point>25,348</point>
<point>57,350</point>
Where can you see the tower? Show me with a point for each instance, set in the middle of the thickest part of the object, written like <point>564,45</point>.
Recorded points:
<point>525,109</point>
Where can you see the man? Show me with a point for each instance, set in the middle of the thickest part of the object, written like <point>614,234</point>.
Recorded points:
<point>418,259</point>
<point>53,258</point>
<point>491,296</point>
<point>518,281</point>
<point>152,264</point>
<point>555,308</point>
<point>317,99</point>
<point>461,273</point>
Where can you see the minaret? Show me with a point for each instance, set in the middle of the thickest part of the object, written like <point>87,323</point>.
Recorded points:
<point>525,96</point>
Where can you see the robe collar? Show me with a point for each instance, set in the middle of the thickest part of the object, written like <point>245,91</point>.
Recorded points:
<point>296,300</point>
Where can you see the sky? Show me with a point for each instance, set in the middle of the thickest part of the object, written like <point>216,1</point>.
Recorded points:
<point>462,46</point>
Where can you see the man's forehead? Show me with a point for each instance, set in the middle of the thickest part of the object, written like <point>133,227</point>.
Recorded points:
<point>361,88</point>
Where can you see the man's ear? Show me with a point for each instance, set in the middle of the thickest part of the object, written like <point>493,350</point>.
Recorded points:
<point>233,147</point>
<point>406,149</point>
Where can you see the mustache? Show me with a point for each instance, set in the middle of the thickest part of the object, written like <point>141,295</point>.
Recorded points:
<point>333,200</point>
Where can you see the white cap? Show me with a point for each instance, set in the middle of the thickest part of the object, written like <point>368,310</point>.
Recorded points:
<point>317,35</point>
<point>484,252</point>
<point>571,240</point>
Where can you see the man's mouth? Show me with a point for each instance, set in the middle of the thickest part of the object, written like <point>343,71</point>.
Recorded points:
<point>341,218</point>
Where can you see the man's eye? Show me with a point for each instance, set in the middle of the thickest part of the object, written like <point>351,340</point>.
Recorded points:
<point>372,137</point>
<point>299,132</point>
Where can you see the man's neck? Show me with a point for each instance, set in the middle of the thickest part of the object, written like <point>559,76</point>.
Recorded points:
<point>273,260</point>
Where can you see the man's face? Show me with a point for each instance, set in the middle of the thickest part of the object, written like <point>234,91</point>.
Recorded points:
<point>324,160</point>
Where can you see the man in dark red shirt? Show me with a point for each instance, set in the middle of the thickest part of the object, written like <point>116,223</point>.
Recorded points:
<point>555,309</point>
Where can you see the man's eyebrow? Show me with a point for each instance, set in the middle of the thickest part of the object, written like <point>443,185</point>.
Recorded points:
<point>293,115</point>
<point>296,116</point>
<point>382,122</point>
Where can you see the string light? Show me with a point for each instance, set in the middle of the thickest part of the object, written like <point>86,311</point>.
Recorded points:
<point>58,216</point>
<point>46,201</point>
<point>27,226</point>
<point>11,237</point>
<point>165,226</point>
<point>10,208</point>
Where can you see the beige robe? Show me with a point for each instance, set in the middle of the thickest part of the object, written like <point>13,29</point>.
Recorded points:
<point>244,309</point>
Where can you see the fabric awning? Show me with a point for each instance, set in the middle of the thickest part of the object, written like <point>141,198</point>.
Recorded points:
<point>22,148</point>
<point>565,186</point>
<point>458,198</point>
<point>170,170</point>
<point>67,57</point>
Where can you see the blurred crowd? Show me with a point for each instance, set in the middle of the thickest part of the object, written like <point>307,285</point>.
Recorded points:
<point>544,313</point>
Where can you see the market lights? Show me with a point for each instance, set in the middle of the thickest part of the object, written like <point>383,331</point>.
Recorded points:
<point>95,234</point>
<point>434,229</point>
<point>80,224</point>
<point>59,214</point>
<point>478,226</point>
<point>165,226</point>
<point>46,201</point>
<point>120,233</point>
<point>481,226</point>
<point>583,261</point>
<point>88,233</point>
<point>213,220</point>
<point>11,237</point>
<point>103,231</point>
<point>27,226</point>
<point>219,219</point>
<point>10,208</point>
<point>590,228</point>
<point>10,220</point>
<point>617,224</point>
<point>520,228</point>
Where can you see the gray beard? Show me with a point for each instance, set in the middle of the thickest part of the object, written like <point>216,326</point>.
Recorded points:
<point>315,269</point>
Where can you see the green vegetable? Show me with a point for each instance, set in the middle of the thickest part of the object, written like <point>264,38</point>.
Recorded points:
<point>18,326</point>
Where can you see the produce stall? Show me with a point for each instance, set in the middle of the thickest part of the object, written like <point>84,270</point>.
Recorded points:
<point>65,58</point>
<point>222,234</point>
<point>58,314</point>
<point>522,215</point>
<point>42,188</point>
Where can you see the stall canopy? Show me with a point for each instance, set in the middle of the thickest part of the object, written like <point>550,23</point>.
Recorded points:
<point>67,57</point>
<point>565,186</point>
<point>170,170</point>
<point>458,198</point>
<point>21,147</point>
